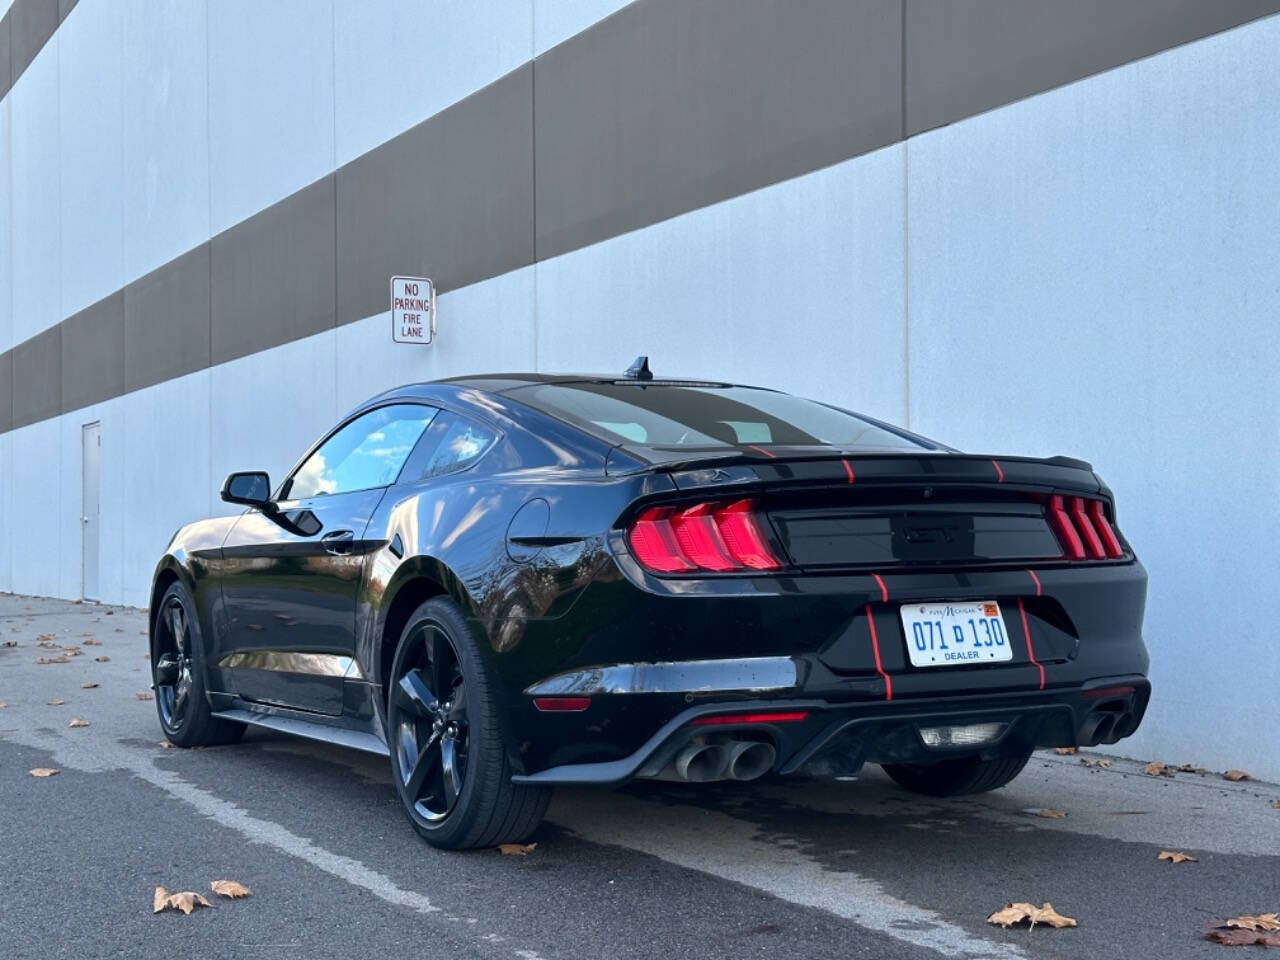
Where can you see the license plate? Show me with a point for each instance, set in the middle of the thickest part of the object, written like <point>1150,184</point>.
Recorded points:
<point>952,634</point>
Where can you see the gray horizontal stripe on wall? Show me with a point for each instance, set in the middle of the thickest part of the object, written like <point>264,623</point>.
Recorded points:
<point>662,108</point>
<point>24,30</point>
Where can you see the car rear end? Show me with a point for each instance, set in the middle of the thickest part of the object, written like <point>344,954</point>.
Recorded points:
<point>784,606</point>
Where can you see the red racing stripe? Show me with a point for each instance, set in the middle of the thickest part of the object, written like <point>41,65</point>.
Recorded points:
<point>848,470</point>
<point>999,472</point>
<point>771,456</point>
<point>1039,589</point>
<point>1026,632</point>
<point>875,649</point>
<point>884,591</point>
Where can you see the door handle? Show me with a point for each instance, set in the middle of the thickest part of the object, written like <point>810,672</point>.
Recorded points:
<point>339,543</point>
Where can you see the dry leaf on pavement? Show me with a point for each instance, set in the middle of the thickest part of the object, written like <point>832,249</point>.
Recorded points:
<point>1045,812</point>
<point>1261,921</point>
<point>53,660</point>
<point>1095,762</point>
<point>516,849</point>
<point>1243,938</point>
<point>88,685</point>
<point>77,722</point>
<point>1173,856</point>
<point>1157,769</point>
<point>166,745</point>
<point>55,702</point>
<point>1235,776</point>
<point>44,772</point>
<point>102,659</point>
<point>1192,768</point>
<point>91,642</point>
<point>229,889</point>
<point>186,901</point>
<point>1029,912</point>
<point>1064,751</point>
<point>143,695</point>
<point>1275,804</point>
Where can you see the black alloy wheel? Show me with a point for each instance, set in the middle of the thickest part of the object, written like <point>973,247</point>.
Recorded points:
<point>177,673</point>
<point>172,663</point>
<point>449,756</point>
<point>431,731</point>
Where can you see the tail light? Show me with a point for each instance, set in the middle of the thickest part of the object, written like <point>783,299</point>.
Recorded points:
<point>710,536</point>
<point>1082,528</point>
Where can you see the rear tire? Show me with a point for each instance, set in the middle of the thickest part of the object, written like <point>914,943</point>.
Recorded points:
<point>178,676</point>
<point>443,712</point>
<point>956,777</point>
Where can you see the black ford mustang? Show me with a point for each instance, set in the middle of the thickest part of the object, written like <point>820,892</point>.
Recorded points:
<point>512,581</point>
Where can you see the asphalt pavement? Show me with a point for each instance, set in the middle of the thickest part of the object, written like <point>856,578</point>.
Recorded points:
<point>796,869</point>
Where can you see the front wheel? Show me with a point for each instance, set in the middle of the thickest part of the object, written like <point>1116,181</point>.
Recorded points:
<point>178,675</point>
<point>957,776</point>
<point>446,732</point>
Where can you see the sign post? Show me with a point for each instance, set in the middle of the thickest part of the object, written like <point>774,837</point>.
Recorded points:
<point>413,310</point>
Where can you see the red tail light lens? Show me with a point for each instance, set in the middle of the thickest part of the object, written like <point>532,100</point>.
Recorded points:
<point>1100,523</point>
<point>709,536</point>
<point>1082,528</point>
<point>654,542</point>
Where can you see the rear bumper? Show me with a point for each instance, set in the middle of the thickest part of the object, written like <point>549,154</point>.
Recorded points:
<point>838,738</point>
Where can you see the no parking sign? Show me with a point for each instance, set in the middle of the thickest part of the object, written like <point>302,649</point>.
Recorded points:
<point>413,310</point>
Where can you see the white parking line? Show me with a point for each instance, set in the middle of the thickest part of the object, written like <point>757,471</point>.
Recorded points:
<point>730,849</point>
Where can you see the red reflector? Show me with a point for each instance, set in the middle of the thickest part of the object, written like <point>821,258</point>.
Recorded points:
<point>742,535</point>
<point>1068,539</point>
<point>777,716</point>
<point>1106,692</point>
<point>1087,533</point>
<point>1098,513</point>
<point>654,542</point>
<point>562,704</point>
<point>699,539</point>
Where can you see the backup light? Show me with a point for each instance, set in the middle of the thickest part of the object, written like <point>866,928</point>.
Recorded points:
<point>965,735</point>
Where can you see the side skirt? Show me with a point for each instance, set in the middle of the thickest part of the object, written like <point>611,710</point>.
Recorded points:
<point>300,725</point>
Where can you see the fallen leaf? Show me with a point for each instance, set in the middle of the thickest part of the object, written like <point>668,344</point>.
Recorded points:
<point>1095,762</point>
<point>55,702</point>
<point>71,651</point>
<point>516,849</point>
<point>45,640</point>
<point>77,722</point>
<point>102,659</point>
<point>186,901</point>
<point>1174,856</point>
<point>1046,813</point>
<point>1029,912</point>
<point>229,889</point>
<point>91,642</point>
<point>88,685</point>
<point>1243,938</point>
<point>1192,768</point>
<point>53,660</point>
<point>1157,769</point>
<point>166,745</point>
<point>143,695</point>
<point>3,705</point>
<point>1263,921</point>
<point>1064,751</point>
<point>44,772</point>
<point>1235,776</point>
<point>1275,803</point>
<point>11,643</point>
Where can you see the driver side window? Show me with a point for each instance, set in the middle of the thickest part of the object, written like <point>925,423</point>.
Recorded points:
<point>368,452</point>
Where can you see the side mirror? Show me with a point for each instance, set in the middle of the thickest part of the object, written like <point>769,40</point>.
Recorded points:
<point>252,488</point>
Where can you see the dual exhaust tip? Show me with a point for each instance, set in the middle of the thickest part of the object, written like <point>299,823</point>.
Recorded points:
<point>721,760</point>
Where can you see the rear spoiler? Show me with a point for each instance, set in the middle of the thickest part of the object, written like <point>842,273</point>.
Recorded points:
<point>736,466</point>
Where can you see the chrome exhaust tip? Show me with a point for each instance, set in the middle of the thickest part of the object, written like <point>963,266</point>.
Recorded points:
<point>749,759</point>
<point>700,763</point>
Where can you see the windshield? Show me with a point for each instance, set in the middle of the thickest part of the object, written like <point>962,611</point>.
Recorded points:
<point>667,415</point>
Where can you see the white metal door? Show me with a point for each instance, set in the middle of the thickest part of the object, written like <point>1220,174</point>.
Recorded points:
<point>91,445</point>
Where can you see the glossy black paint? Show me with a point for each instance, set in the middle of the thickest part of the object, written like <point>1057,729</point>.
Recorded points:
<point>301,602</point>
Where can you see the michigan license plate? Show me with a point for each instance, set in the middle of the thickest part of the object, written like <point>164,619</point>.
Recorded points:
<point>952,634</point>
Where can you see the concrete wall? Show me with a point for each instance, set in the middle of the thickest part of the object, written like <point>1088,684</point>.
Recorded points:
<point>1103,249</point>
